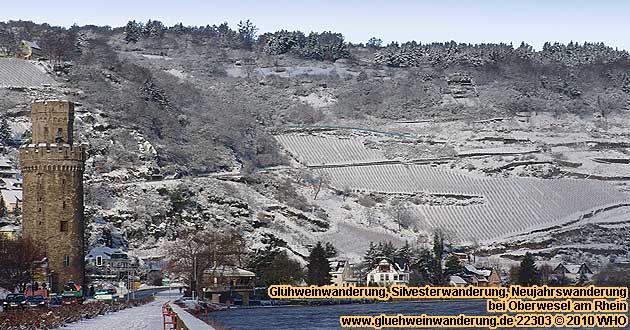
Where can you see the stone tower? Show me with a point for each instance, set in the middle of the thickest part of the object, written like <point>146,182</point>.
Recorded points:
<point>52,169</point>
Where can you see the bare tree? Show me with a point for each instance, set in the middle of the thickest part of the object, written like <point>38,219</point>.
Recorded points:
<point>17,259</point>
<point>198,251</point>
<point>318,181</point>
<point>370,215</point>
<point>400,211</point>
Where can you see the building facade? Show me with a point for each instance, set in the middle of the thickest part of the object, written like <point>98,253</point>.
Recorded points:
<point>388,273</point>
<point>52,168</point>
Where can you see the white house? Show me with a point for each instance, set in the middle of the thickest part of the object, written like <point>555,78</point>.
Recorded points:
<point>388,273</point>
<point>342,273</point>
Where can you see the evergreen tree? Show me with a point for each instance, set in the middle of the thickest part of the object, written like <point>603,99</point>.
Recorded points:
<point>452,266</point>
<point>5,132</point>
<point>374,43</point>
<point>424,266</point>
<point>388,250</point>
<point>133,32</point>
<point>281,270</point>
<point>370,258</point>
<point>318,266</point>
<point>330,249</point>
<point>153,29</point>
<point>438,244</point>
<point>247,34</point>
<point>405,253</point>
<point>437,276</point>
<point>528,274</point>
<point>3,209</point>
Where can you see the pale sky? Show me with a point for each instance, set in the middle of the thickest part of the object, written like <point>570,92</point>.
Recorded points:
<point>532,21</point>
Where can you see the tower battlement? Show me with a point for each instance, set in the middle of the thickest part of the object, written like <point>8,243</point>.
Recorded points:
<point>52,152</point>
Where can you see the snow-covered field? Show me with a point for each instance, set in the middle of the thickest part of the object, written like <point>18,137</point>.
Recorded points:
<point>322,149</point>
<point>511,205</point>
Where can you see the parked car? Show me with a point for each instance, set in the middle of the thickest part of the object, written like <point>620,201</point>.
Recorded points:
<point>105,295</point>
<point>14,300</point>
<point>36,301</point>
<point>69,300</point>
<point>54,300</point>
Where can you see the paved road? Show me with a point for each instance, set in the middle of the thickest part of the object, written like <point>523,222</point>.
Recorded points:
<point>145,317</point>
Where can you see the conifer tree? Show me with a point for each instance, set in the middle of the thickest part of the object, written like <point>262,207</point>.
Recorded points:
<point>5,132</point>
<point>528,274</point>
<point>318,266</point>
<point>452,266</point>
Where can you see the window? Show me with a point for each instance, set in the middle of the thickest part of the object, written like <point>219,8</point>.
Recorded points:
<point>63,226</point>
<point>99,261</point>
<point>45,131</point>
<point>63,205</point>
<point>395,277</point>
<point>386,277</point>
<point>66,261</point>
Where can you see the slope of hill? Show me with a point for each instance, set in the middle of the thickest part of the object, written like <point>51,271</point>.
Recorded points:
<point>481,140</point>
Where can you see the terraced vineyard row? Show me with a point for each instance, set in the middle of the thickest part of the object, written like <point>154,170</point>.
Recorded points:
<point>513,205</point>
<point>312,150</point>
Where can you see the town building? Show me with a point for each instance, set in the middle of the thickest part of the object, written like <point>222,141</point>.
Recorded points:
<point>573,272</point>
<point>9,231</point>
<point>109,263</point>
<point>479,277</point>
<point>342,273</point>
<point>10,186</point>
<point>455,280</point>
<point>52,167</point>
<point>30,50</point>
<point>225,283</point>
<point>388,273</point>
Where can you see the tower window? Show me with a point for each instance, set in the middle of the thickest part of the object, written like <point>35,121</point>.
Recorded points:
<point>66,261</point>
<point>99,261</point>
<point>63,226</point>
<point>63,204</point>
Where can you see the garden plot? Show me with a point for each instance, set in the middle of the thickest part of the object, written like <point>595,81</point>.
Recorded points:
<point>513,205</point>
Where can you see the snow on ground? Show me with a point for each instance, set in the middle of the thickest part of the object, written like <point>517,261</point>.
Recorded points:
<point>145,317</point>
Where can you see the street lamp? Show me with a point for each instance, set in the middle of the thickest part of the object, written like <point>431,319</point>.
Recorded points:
<point>193,287</point>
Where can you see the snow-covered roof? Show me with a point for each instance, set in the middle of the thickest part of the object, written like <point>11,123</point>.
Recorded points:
<point>9,229</point>
<point>12,196</point>
<point>571,268</point>
<point>32,44</point>
<point>229,271</point>
<point>472,269</point>
<point>104,252</point>
<point>457,280</point>
<point>4,162</point>
<point>336,265</point>
<point>12,184</point>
